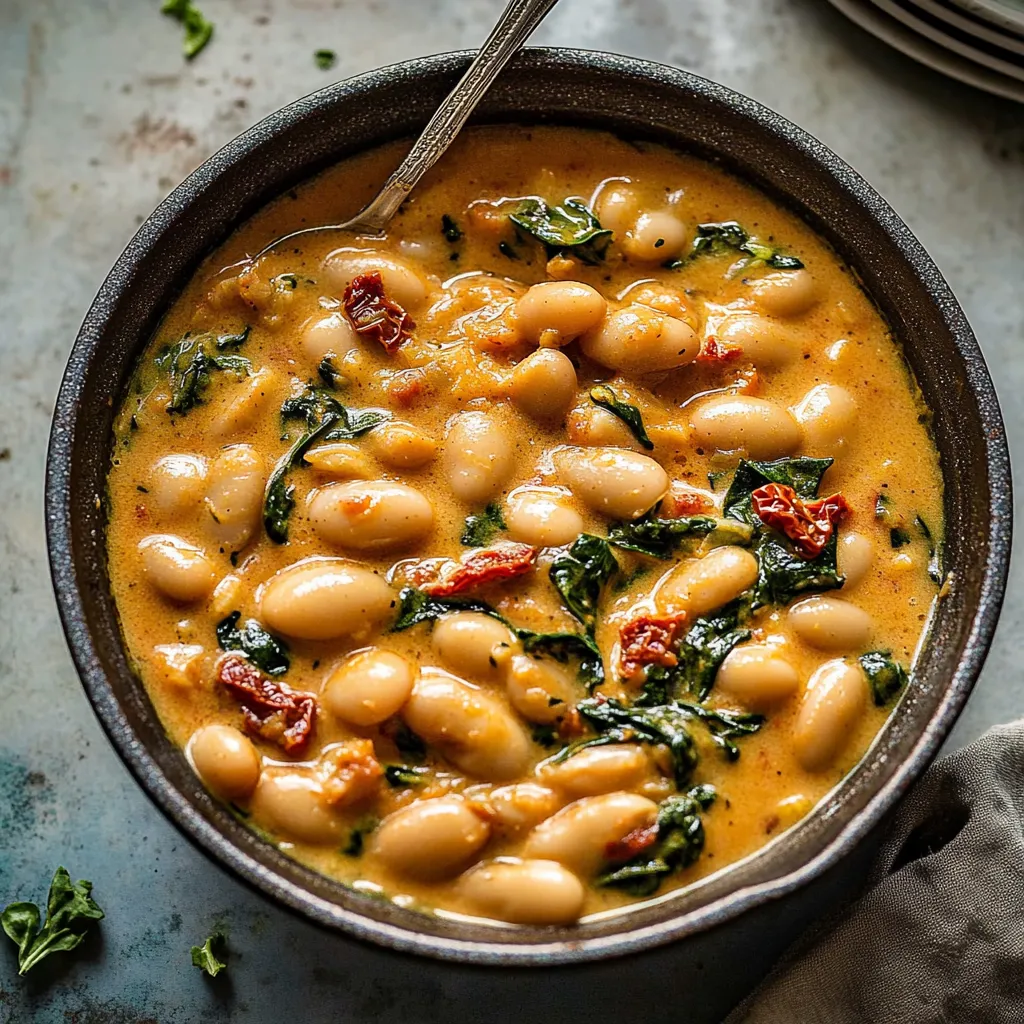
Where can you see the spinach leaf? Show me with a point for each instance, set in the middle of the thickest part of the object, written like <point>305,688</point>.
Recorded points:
<point>934,550</point>
<point>580,575</point>
<point>401,775</point>
<point>409,745</point>
<point>70,911</point>
<point>898,537</point>
<point>679,842</point>
<point>198,30</point>
<point>605,397</point>
<point>332,377</point>
<point>450,228</point>
<point>659,538</point>
<point>190,362</point>
<point>325,59</point>
<point>263,649</point>
<point>482,527</point>
<point>311,405</point>
<point>724,726</point>
<point>564,647</point>
<point>205,957</point>
<point>569,227</point>
<point>803,475</point>
<point>357,836</point>
<point>886,676</point>
<point>720,237</point>
<point>783,573</point>
<point>416,606</point>
<point>544,735</point>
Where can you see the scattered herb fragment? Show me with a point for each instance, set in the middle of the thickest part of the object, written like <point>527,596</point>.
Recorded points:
<point>190,362</point>
<point>605,397</point>
<point>330,374</point>
<point>70,911</point>
<point>207,956</point>
<point>580,575</point>
<point>712,238</point>
<point>507,251</point>
<point>263,649</point>
<point>450,228</point>
<point>934,551</point>
<point>482,527</point>
<point>325,59</point>
<point>567,228</point>
<point>356,842</point>
<point>898,537</point>
<point>886,676</point>
<point>198,31</point>
<point>400,775</point>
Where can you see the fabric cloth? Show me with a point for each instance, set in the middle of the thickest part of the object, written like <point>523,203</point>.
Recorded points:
<point>938,935</point>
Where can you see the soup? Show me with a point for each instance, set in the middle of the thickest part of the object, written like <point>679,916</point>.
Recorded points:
<point>563,547</point>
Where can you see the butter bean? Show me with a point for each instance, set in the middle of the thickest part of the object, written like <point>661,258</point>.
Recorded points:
<point>176,568</point>
<point>733,423</point>
<point>765,342</point>
<point>478,457</point>
<point>540,690</point>
<point>835,698</point>
<point>225,760</point>
<point>788,293</point>
<point>402,283</point>
<point>176,484</point>
<point>757,675</point>
<point>474,644</point>
<point>544,384</point>
<point>371,515</point>
<point>538,892</point>
<point>401,445</point>
<point>291,801</point>
<point>542,517</point>
<point>639,339</point>
<point>854,554</point>
<point>614,482</point>
<point>828,415</point>
<point>330,335</point>
<point>705,584</point>
<point>234,495</point>
<point>562,309</point>
<point>369,686</point>
<point>597,770</point>
<point>830,623</point>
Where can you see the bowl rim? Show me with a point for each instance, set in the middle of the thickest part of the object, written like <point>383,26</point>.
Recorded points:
<point>262,878</point>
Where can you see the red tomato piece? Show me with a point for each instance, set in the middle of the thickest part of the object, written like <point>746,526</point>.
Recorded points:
<point>808,524</point>
<point>373,314</point>
<point>502,562</point>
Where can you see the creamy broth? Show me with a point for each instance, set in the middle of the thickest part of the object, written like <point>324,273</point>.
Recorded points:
<point>516,438</point>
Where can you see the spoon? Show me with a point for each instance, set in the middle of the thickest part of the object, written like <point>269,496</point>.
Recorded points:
<point>514,27</point>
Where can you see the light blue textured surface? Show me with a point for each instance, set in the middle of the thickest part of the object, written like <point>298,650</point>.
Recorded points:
<point>99,119</point>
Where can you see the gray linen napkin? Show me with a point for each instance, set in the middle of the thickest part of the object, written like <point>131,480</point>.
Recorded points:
<point>939,933</point>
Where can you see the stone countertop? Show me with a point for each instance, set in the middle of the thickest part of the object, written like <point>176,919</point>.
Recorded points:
<point>99,118</point>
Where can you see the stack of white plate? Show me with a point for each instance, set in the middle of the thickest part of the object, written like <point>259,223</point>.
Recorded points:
<point>977,41</point>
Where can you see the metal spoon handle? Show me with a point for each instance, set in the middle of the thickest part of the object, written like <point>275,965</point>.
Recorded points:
<point>514,27</point>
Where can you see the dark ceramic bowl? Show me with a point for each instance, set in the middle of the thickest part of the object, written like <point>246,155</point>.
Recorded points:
<point>637,100</point>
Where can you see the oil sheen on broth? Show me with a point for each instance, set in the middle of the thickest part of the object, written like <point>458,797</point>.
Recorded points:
<point>564,547</point>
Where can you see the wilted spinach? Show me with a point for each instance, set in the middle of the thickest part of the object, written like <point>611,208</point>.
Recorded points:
<point>728,235</point>
<point>605,397</point>
<point>482,527</point>
<point>416,606</point>
<point>190,362</point>
<point>401,775</point>
<point>263,649</point>
<point>803,475</point>
<point>886,676</point>
<point>568,228</point>
<point>356,841</point>
<point>566,647</point>
<point>207,956</point>
<point>659,538</point>
<point>580,575</point>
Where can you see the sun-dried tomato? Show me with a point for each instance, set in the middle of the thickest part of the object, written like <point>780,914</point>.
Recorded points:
<point>373,314</point>
<point>649,640</point>
<point>270,709</point>
<point>350,773</point>
<point>502,562</point>
<point>631,844</point>
<point>809,525</point>
<point>715,351</point>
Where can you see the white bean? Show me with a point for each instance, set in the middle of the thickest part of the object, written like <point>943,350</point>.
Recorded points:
<point>758,675</point>
<point>371,515</point>
<point>339,459</point>
<point>733,423</point>
<point>660,296</point>
<point>828,415</point>
<point>854,553</point>
<point>830,623</point>
<point>835,698</point>
<point>559,311</point>
<point>594,427</point>
<point>475,644</point>
<point>402,283</point>
<point>541,691</point>
<point>431,839</point>
<point>176,484</point>
<point>639,339</point>
<point>177,569</point>
<point>330,335</point>
<point>401,445</point>
<point>764,342</point>
<point>369,686</point>
<point>292,802</point>
<point>243,406</point>
<point>656,236</point>
<point>597,770</point>
<point>578,835</point>
<point>616,207</point>
<point>226,761</point>
<point>702,585</point>
<point>538,892</point>
<point>234,495</point>
<point>542,517</point>
<point>472,729</point>
<point>617,483</point>
<point>521,805</point>
<point>544,384</point>
<point>786,293</point>
<point>478,457</point>
<point>325,599</point>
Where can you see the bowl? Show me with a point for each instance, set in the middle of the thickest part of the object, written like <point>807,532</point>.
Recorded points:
<point>637,100</point>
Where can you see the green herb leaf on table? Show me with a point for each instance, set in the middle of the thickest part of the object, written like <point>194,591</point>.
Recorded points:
<point>678,842</point>
<point>886,676</point>
<point>263,649</point>
<point>570,228</point>
<point>580,575</point>
<point>482,527</point>
<point>198,30</point>
<point>605,397</point>
<point>70,911</point>
<point>191,361</point>
<point>325,59</point>
<point>728,235</point>
<point>659,538</point>
<point>207,956</point>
